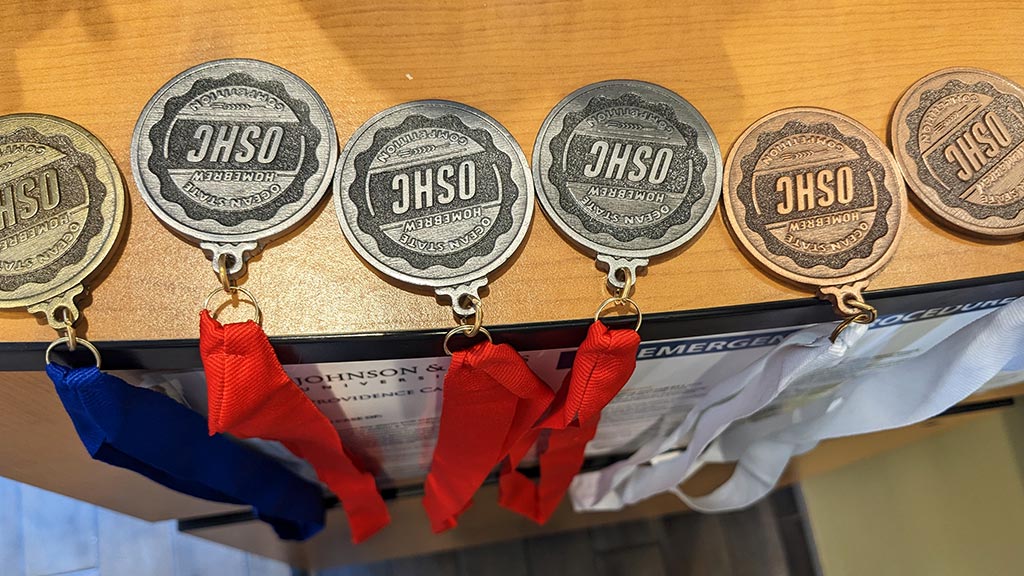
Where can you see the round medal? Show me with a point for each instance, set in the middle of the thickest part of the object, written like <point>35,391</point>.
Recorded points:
<point>436,194</point>
<point>233,153</point>
<point>957,134</point>
<point>627,170</point>
<point>816,198</point>
<point>61,206</point>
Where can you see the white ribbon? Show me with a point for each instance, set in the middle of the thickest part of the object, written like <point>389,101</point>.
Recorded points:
<point>896,395</point>
<point>657,467</point>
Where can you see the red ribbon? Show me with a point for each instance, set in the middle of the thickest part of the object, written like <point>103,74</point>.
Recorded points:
<point>604,363</point>
<point>250,396</point>
<point>491,399</point>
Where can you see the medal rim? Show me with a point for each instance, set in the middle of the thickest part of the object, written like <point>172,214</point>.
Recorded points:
<point>264,235</point>
<point>345,177</point>
<point>99,259</point>
<point>594,248</point>
<point>926,195</point>
<point>740,232</point>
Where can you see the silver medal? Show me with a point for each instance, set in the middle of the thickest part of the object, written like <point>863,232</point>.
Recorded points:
<point>233,153</point>
<point>434,193</point>
<point>628,170</point>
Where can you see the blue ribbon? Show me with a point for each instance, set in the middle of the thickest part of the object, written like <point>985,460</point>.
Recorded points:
<point>146,432</point>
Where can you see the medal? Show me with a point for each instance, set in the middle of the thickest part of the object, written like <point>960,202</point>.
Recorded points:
<point>627,170</point>
<point>62,204</point>
<point>231,154</point>
<point>957,134</point>
<point>816,198</point>
<point>437,194</point>
<point>434,194</point>
<point>61,207</point>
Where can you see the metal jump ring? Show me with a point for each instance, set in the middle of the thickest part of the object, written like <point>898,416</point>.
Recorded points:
<point>69,329</point>
<point>628,283</point>
<point>478,317</point>
<point>867,315</point>
<point>234,290</point>
<point>464,329</point>
<point>65,340</point>
<point>222,273</point>
<point>617,301</point>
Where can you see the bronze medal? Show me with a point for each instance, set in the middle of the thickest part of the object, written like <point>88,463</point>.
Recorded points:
<point>61,206</point>
<point>958,134</point>
<point>817,199</point>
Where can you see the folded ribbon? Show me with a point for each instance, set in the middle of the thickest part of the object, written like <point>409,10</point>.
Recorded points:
<point>899,394</point>
<point>251,396</point>
<point>146,432</point>
<point>604,363</point>
<point>658,466</point>
<point>490,399</point>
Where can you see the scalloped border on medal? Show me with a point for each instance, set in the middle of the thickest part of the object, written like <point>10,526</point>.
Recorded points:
<point>104,217</point>
<point>647,133</point>
<point>284,92</point>
<point>812,154</point>
<point>407,137</point>
<point>968,126</point>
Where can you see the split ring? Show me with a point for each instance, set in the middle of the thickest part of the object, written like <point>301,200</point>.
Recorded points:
<point>466,329</point>
<point>617,301</point>
<point>258,313</point>
<point>81,341</point>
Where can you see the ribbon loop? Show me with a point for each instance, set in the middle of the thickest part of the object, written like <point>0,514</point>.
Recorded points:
<point>490,399</point>
<point>659,466</point>
<point>251,396</point>
<point>881,399</point>
<point>146,432</point>
<point>604,363</point>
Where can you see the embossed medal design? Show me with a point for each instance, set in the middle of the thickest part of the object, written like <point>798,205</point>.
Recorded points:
<point>233,153</point>
<point>61,207</point>
<point>958,134</point>
<point>628,170</point>
<point>816,198</point>
<point>436,194</point>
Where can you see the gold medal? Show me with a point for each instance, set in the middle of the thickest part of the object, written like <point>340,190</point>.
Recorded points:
<point>61,206</point>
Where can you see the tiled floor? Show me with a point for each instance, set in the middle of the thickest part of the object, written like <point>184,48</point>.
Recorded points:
<point>45,534</point>
<point>767,540</point>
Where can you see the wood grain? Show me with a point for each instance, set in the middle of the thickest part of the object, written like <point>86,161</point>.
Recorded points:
<point>98,62</point>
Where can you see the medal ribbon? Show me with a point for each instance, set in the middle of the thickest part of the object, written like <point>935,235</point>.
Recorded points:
<point>148,433</point>
<point>250,396</point>
<point>892,396</point>
<point>604,363</point>
<point>491,399</point>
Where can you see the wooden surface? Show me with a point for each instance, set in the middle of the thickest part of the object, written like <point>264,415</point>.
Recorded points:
<point>98,62</point>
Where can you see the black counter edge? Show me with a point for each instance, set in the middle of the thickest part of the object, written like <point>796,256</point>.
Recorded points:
<point>183,354</point>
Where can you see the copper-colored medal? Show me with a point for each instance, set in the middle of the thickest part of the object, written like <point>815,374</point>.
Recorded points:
<point>958,134</point>
<point>817,199</point>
